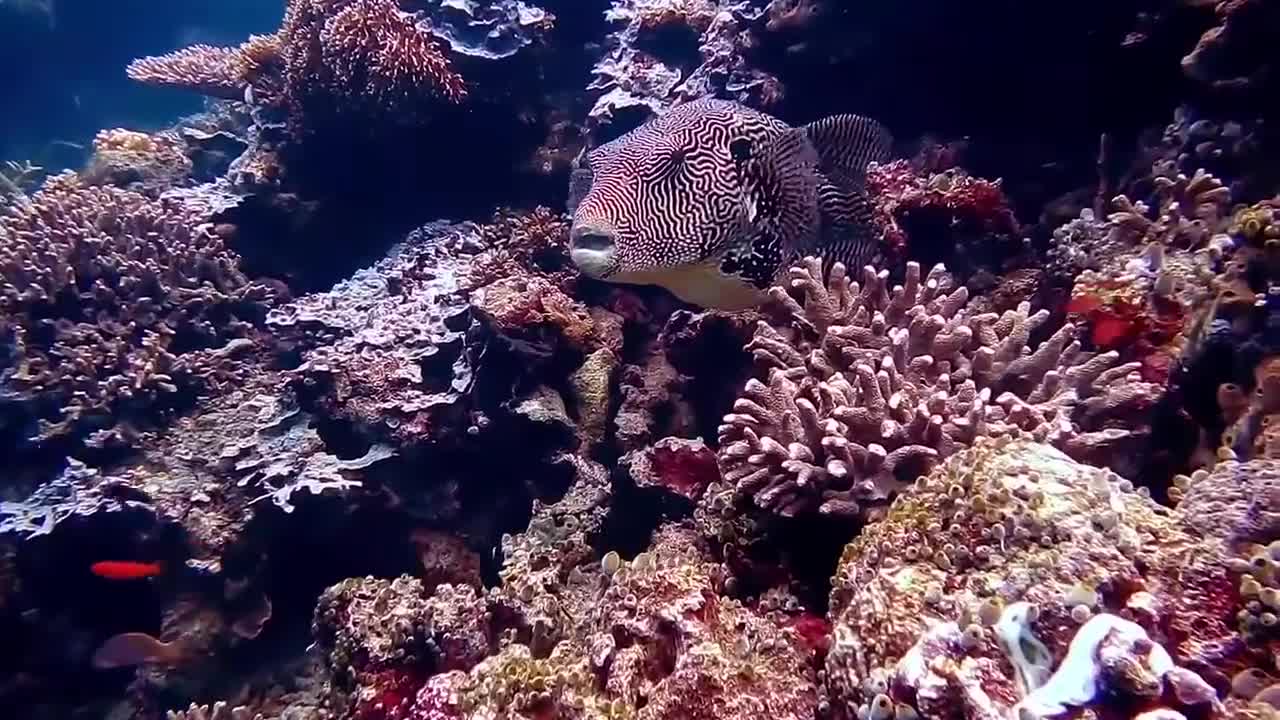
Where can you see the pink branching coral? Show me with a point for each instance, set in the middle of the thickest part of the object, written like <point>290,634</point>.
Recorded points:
<point>205,69</point>
<point>344,56</point>
<point>372,56</point>
<point>864,387</point>
<point>100,290</point>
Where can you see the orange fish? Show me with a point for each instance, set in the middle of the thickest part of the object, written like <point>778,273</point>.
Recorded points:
<point>125,569</point>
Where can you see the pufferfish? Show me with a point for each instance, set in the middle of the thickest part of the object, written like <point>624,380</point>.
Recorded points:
<point>714,201</point>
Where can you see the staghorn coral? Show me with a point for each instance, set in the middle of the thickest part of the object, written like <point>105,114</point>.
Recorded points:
<point>863,387</point>
<point>104,294</point>
<point>350,58</point>
<point>205,69</point>
<point>1010,556</point>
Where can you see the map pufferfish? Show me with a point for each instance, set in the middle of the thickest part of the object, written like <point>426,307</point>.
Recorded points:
<point>714,201</point>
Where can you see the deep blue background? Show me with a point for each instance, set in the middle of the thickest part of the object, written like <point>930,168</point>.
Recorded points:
<point>66,82</point>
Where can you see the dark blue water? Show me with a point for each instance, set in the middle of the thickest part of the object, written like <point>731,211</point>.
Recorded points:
<point>65,79</point>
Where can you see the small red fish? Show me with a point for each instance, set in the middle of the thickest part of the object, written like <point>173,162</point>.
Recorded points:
<point>125,569</point>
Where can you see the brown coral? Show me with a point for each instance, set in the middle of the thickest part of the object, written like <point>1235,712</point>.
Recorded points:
<point>863,387</point>
<point>102,290</point>
<point>153,162</point>
<point>358,57</point>
<point>536,241</point>
<point>969,593</point>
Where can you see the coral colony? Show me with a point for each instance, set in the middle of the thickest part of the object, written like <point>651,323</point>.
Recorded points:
<point>278,446</point>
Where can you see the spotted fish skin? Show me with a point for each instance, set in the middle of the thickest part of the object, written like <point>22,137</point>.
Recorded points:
<point>714,200</point>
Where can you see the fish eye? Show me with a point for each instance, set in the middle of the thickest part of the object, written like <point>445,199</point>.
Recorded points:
<point>740,149</point>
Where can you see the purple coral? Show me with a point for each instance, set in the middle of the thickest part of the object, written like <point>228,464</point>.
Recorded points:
<point>865,386</point>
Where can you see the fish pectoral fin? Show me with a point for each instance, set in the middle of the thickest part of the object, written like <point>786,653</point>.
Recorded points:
<point>850,234</point>
<point>846,144</point>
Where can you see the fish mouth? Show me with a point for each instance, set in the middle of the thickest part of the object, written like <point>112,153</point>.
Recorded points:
<point>593,247</point>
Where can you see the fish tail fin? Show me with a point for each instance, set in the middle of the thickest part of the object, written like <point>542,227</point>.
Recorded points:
<point>850,234</point>
<point>846,144</point>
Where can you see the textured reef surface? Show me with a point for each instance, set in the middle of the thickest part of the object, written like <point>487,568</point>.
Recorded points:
<point>307,412</point>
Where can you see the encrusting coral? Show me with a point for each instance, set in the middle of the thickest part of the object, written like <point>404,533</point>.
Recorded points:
<point>995,580</point>
<point>863,387</point>
<point>671,51</point>
<point>103,292</point>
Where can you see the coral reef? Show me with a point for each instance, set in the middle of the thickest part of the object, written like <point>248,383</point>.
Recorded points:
<point>946,216</point>
<point>1009,471</point>
<point>998,576</point>
<point>106,296</point>
<point>863,387</point>
<point>1233,56</point>
<point>361,57</point>
<point>135,160</point>
<point>672,51</point>
<point>375,346</point>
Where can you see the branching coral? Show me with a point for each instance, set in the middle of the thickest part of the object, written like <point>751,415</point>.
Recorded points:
<point>949,215</point>
<point>1236,55</point>
<point>372,57</point>
<point>102,290</point>
<point>205,69</point>
<point>353,57</point>
<point>865,386</point>
<point>670,51</point>
<point>125,158</point>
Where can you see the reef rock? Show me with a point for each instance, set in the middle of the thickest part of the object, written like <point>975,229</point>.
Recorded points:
<point>1013,578</point>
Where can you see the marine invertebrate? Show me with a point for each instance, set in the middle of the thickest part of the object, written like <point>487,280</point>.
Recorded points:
<point>862,387</point>
<point>373,59</point>
<point>1008,558</point>
<point>205,69</point>
<point>948,216</point>
<point>537,241</point>
<point>669,51</point>
<point>103,292</point>
<point>1231,56</point>
<point>385,349</point>
<point>153,162</point>
<point>351,58</point>
<point>730,208</point>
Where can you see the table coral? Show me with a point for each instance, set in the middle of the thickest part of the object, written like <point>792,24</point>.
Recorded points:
<point>978,580</point>
<point>103,292</point>
<point>862,387</point>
